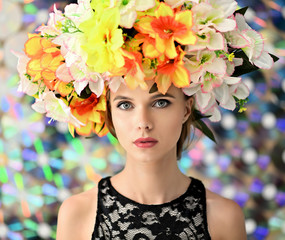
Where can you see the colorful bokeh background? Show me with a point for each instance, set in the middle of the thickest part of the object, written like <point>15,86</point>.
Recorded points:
<point>41,164</point>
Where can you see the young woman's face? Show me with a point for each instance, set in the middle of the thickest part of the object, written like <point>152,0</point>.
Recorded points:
<point>140,114</point>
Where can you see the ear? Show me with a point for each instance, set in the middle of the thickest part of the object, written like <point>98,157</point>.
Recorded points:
<point>188,108</point>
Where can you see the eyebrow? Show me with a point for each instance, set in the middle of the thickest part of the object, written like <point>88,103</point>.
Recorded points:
<point>153,97</point>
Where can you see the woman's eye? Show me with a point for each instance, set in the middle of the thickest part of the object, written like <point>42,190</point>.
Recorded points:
<point>124,105</point>
<point>162,103</point>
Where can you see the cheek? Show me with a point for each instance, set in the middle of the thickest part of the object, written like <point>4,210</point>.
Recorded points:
<point>122,127</point>
<point>175,128</point>
<point>171,125</point>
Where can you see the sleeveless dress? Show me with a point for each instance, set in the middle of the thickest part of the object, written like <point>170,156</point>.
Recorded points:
<point>119,217</point>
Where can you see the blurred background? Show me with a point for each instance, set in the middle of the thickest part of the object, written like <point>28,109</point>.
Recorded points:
<point>41,164</point>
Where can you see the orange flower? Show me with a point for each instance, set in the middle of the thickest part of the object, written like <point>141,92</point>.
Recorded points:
<point>172,71</point>
<point>89,111</point>
<point>45,58</point>
<point>167,27</point>
<point>132,70</point>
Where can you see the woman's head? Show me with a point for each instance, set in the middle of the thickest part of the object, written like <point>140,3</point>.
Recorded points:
<point>132,114</point>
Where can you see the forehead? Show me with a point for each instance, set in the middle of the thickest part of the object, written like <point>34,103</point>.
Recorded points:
<point>124,90</point>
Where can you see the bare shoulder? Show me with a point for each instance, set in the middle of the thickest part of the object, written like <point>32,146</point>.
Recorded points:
<point>225,218</point>
<point>76,216</point>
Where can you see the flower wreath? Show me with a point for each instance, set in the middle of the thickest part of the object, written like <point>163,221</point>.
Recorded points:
<point>200,46</point>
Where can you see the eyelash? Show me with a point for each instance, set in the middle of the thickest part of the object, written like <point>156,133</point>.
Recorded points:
<point>160,100</point>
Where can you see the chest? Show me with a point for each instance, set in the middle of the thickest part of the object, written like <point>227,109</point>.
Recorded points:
<point>129,221</point>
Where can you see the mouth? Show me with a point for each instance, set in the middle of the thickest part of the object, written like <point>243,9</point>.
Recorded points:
<point>145,142</point>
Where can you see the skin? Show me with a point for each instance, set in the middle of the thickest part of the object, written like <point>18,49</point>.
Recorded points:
<point>155,176</point>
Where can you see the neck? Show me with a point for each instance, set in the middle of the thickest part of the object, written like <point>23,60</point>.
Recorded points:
<point>151,182</point>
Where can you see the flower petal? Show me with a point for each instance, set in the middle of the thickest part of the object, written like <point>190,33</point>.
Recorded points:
<point>63,73</point>
<point>164,10</point>
<point>226,25</point>
<point>97,87</point>
<point>187,38</point>
<point>180,77</point>
<point>192,89</point>
<point>128,19</point>
<point>215,114</point>
<point>115,83</point>
<point>216,42</point>
<point>265,61</point>
<point>232,80</point>
<point>242,91</point>
<point>163,82</point>
<point>241,23</point>
<point>203,99</point>
<point>143,5</point>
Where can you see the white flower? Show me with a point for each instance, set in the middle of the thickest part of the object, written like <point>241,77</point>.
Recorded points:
<point>206,68</point>
<point>26,85</point>
<point>70,46</point>
<point>224,94</point>
<point>177,3</point>
<point>204,101</point>
<point>251,43</point>
<point>211,82</point>
<point>208,38</point>
<point>84,76</point>
<point>207,15</point>
<point>115,82</point>
<point>54,24</point>
<point>228,7</point>
<point>75,67</point>
<point>129,8</point>
<point>55,108</point>
<point>78,13</point>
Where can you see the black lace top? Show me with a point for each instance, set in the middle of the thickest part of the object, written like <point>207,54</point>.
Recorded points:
<point>119,217</point>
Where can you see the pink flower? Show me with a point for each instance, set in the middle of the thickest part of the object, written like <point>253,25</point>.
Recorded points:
<point>54,24</point>
<point>55,108</point>
<point>251,42</point>
<point>26,85</point>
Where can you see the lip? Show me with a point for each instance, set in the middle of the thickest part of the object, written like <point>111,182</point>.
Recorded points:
<point>145,142</point>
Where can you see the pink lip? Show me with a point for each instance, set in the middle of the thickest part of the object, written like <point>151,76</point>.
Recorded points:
<point>145,142</point>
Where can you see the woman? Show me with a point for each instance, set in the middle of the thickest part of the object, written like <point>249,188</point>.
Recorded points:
<point>151,179</point>
<point>98,66</point>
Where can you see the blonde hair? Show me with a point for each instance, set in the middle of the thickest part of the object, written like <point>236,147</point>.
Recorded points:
<point>187,131</point>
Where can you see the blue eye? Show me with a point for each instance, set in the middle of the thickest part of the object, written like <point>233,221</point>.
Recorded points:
<point>124,105</point>
<point>161,103</point>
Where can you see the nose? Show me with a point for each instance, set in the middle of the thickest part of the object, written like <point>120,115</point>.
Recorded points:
<point>144,119</point>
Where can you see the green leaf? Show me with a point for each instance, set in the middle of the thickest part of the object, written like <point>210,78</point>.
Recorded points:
<point>102,127</point>
<point>246,66</point>
<point>241,11</point>
<point>198,115</point>
<point>205,129</point>
<point>153,88</point>
<point>275,58</point>
<point>86,92</point>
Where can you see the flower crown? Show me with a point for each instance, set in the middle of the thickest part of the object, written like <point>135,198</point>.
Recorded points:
<point>200,46</point>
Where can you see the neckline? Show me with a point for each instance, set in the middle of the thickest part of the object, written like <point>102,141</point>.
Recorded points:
<point>151,205</point>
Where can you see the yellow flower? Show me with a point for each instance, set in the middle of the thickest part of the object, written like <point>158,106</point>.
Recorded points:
<point>104,41</point>
<point>45,58</point>
<point>231,57</point>
<point>167,27</point>
<point>172,71</point>
<point>89,111</point>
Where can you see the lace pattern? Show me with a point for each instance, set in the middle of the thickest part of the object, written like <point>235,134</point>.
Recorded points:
<point>121,218</point>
